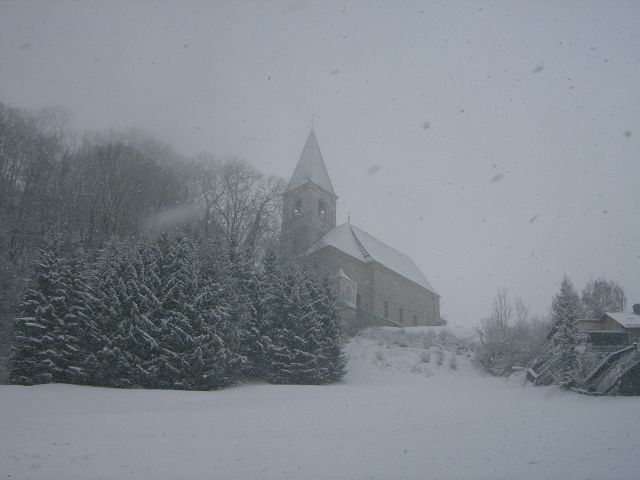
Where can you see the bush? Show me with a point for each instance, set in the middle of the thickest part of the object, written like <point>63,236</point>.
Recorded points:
<point>509,337</point>
<point>439,357</point>
<point>453,362</point>
<point>425,356</point>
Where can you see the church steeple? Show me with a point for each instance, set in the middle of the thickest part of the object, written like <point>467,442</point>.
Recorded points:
<point>311,167</point>
<point>309,202</point>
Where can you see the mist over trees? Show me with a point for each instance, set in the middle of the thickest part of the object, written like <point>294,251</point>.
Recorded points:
<point>91,206</point>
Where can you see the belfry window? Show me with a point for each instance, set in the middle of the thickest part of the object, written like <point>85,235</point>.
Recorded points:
<point>322,209</point>
<point>297,206</point>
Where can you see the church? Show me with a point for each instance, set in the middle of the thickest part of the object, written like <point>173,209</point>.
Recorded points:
<point>376,285</point>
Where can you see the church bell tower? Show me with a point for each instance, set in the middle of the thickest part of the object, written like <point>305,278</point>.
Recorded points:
<point>309,202</point>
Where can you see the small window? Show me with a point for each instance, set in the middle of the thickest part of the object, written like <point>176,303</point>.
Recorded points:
<point>297,206</point>
<point>415,321</point>
<point>386,309</point>
<point>401,314</point>
<point>322,209</point>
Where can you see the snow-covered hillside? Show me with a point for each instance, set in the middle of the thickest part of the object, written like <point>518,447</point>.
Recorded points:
<point>396,415</point>
<point>387,355</point>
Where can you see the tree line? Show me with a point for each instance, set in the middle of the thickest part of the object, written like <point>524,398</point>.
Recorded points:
<point>173,312</point>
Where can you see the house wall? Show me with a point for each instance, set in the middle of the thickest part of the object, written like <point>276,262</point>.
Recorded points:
<point>608,324</point>
<point>611,325</point>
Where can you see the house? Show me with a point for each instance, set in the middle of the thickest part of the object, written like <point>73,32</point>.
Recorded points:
<point>617,328</point>
<point>376,284</point>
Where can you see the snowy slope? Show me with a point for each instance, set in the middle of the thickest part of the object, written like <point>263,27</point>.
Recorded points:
<point>395,416</point>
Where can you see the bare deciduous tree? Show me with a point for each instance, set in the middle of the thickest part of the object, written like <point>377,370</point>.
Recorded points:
<point>238,202</point>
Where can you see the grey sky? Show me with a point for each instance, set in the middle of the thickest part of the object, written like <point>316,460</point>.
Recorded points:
<point>497,143</point>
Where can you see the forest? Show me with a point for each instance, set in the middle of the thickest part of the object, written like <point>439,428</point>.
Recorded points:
<point>123,263</point>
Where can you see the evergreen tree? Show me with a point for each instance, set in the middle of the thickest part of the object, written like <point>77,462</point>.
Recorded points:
<point>127,305</point>
<point>194,321</point>
<point>332,361</point>
<point>236,272</point>
<point>565,311</point>
<point>39,329</point>
<point>111,296</point>
<point>81,336</point>
<point>264,291</point>
<point>214,363</point>
<point>305,345</point>
<point>57,328</point>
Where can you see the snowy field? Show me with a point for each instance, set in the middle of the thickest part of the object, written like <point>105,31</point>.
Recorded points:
<point>398,414</point>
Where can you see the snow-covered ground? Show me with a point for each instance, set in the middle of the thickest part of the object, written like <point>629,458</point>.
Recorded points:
<point>398,414</point>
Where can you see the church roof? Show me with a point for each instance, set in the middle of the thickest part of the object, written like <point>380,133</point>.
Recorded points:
<point>366,248</point>
<point>311,167</point>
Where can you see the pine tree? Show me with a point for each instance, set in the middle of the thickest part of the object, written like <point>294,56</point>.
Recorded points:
<point>111,369</point>
<point>194,319</point>
<point>39,330</point>
<point>80,333</point>
<point>264,292</point>
<point>332,361</point>
<point>237,274</point>
<point>565,311</point>
<point>127,307</point>
<point>214,363</point>
<point>304,343</point>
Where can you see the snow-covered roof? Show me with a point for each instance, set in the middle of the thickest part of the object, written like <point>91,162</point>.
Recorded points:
<point>311,167</point>
<point>627,320</point>
<point>366,248</point>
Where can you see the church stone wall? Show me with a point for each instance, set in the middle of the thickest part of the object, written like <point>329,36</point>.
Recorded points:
<point>301,230</point>
<point>329,260</point>
<point>401,293</point>
<point>377,284</point>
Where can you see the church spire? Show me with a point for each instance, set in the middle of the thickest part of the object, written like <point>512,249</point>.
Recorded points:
<point>311,167</point>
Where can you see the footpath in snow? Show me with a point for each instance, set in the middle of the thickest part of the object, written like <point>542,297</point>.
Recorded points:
<point>412,406</point>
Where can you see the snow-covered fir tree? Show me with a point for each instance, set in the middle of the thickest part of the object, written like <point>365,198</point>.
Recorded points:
<point>128,306</point>
<point>331,359</point>
<point>264,292</point>
<point>57,327</point>
<point>38,346</point>
<point>566,309</point>
<point>81,332</point>
<point>194,321</point>
<point>305,346</point>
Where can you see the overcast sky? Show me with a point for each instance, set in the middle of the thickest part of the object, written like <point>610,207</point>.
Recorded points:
<point>496,143</point>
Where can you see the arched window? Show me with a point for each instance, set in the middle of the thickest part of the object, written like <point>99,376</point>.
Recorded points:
<point>297,206</point>
<point>322,209</point>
